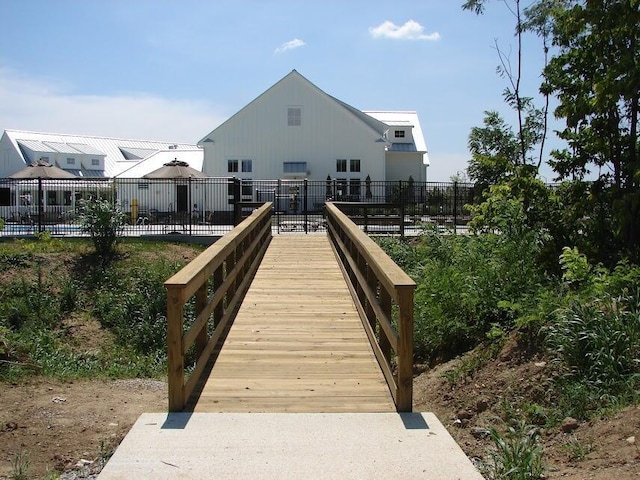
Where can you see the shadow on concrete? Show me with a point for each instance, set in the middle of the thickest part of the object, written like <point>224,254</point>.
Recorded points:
<point>413,421</point>
<point>176,421</point>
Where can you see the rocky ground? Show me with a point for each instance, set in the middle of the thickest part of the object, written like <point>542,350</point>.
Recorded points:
<point>602,449</point>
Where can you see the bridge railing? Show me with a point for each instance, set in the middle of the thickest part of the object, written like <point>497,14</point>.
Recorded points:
<point>376,283</point>
<point>218,279</point>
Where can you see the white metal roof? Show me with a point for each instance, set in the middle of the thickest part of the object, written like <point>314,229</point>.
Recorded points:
<point>115,161</point>
<point>36,146</point>
<point>404,118</point>
<point>62,147</point>
<point>87,149</point>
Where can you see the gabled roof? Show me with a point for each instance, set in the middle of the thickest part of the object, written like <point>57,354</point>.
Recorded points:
<point>111,148</point>
<point>378,127</point>
<point>376,120</point>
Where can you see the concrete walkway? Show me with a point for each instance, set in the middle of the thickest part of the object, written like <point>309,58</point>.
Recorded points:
<point>289,446</point>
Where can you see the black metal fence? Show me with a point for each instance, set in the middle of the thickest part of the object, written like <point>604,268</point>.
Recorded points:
<point>211,206</point>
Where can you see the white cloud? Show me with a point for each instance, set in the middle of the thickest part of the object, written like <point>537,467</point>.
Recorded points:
<point>27,104</point>
<point>290,45</point>
<point>411,30</point>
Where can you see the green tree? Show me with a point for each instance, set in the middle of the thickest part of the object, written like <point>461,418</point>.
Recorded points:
<point>532,121</point>
<point>596,78</point>
<point>494,151</point>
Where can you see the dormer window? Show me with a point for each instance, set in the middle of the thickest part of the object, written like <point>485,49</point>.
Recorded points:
<point>71,161</point>
<point>399,134</point>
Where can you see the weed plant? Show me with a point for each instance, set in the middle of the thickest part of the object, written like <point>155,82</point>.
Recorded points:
<point>517,455</point>
<point>20,464</point>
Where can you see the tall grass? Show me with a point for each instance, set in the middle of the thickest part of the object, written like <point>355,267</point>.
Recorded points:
<point>126,296</point>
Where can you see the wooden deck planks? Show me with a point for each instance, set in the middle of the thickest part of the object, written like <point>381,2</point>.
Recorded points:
<point>297,343</point>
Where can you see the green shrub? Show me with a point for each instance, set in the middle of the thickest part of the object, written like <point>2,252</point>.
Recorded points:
<point>104,221</point>
<point>467,286</point>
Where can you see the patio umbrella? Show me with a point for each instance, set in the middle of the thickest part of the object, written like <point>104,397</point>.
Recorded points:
<point>175,169</point>
<point>367,183</point>
<point>41,169</point>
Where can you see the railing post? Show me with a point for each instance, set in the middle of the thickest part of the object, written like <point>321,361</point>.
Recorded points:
<point>385,304</point>
<point>405,349</point>
<point>201,303</point>
<point>372,282</point>
<point>366,219</point>
<point>175,355</point>
<point>218,311</point>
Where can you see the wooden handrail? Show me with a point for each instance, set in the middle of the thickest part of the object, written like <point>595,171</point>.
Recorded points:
<point>376,282</point>
<point>218,278</point>
<point>392,214</point>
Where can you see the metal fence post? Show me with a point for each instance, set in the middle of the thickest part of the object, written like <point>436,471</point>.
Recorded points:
<point>189,205</point>
<point>40,202</point>
<point>277,204</point>
<point>455,207</point>
<point>306,219</point>
<point>402,209</point>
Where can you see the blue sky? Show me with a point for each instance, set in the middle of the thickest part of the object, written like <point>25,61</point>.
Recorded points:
<point>174,70</point>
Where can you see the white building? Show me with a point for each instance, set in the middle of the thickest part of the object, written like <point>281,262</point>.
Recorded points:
<point>88,157</point>
<point>91,156</point>
<point>294,130</point>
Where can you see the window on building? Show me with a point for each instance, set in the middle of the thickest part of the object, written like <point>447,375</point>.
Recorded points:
<point>232,166</point>
<point>294,116</point>
<point>5,196</point>
<point>341,165</point>
<point>52,197</point>
<point>354,188</point>
<point>66,197</point>
<point>354,165</point>
<point>399,134</point>
<point>247,187</point>
<point>294,167</point>
<point>247,166</point>
<point>71,161</point>
<point>95,162</point>
<point>143,186</point>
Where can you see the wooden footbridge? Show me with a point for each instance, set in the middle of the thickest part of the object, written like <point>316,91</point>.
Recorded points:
<point>260,327</point>
<point>293,323</point>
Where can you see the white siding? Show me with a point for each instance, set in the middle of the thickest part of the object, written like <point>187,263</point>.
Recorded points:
<point>402,165</point>
<point>328,131</point>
